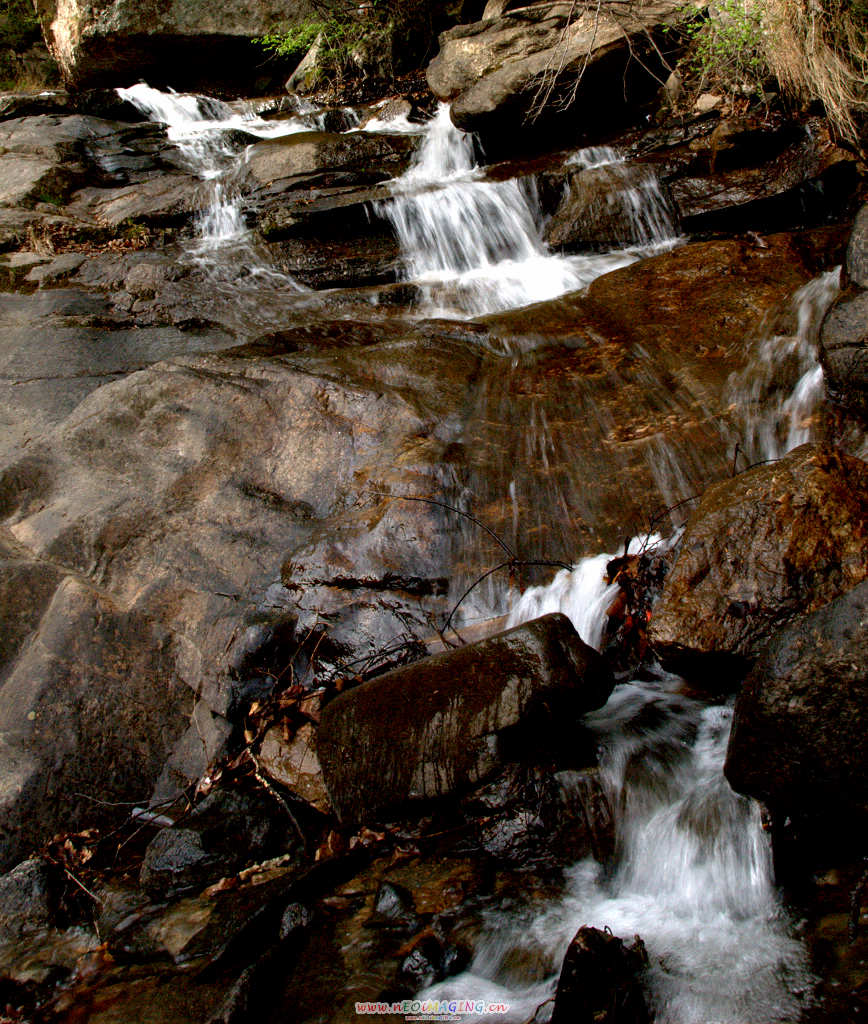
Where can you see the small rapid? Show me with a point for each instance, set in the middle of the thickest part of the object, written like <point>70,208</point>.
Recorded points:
<point>693,869</point>
<point>209,135</point>
<point>475,246</point>
<point>780,391</point>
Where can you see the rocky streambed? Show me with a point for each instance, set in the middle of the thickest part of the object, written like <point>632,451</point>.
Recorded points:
<point>294,398</point>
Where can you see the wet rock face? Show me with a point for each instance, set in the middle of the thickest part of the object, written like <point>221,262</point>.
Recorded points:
<point>799,739</point>
<point>762,548</point>
<point>435,727</point>
<point>491,71</point>
<point>844,333</point>
<point>599,982</point>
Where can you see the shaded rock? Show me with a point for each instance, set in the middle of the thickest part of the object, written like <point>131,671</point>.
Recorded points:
<point>544,817</point>
<point>294,764</point>
<point>313,156</point>
<point>28,899</point>
<point>798,739</point>
<point>354,262</point>
<point>844,332</point>
<point>856,266</point>
<point>296,918</point>
<point>56,271</point>
<point>227,830</point>
<point>87,655</point>
<point>775,542</point>
<point>844,350</point>
<point>308,73</point>
<point>600,981</point>
<point>393,908</point>
<point>175,860</point>
<point>17,267</point>
<point>434,727</point>
<point>117,42</point>
<point>492,71</point>
<point>808,182</point>
<point>168,200</point>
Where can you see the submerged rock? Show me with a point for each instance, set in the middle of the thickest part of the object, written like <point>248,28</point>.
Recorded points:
<point>768,545</point>
<point>799,738</point>
<point>435,727</point>
<point>600,981</point>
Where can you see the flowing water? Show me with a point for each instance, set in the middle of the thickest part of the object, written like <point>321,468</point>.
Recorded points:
<point>693,871</point>
<point>475,245</point>
<point>780,392</point>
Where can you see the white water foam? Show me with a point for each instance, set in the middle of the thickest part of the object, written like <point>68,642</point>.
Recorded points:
<point>581,594</point>
<point>203,129</point>
<point>775,416</point>
<point>693,878</point>
<point>474,246</point>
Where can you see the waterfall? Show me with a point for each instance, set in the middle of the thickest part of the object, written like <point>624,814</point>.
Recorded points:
<point>693,873</point>
<point>474,246</point>
<point>780,390</point>
<point>650,216</point>
<point>206,132</point>
<point>693,878</point>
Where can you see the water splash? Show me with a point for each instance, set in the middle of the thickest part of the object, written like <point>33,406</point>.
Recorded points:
<point>779,393</point>
<point>474,246</point>
<point>210,136</point>
<point>582,594</point>
<point>693,879</point>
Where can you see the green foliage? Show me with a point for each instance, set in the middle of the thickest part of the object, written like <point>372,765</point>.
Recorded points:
<point>18,24</point>
<point>358,41</point>
<point>291,42</point>
<point>728,45</point>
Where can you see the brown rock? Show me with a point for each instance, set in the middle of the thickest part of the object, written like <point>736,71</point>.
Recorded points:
<point>799,738</point>
<point>599,982</point>
<point>295,764</point>
<point>776,542</point>
<point>431,728</point>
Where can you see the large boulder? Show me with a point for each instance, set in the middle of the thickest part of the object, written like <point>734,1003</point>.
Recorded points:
<point>799,738</point>
<point>762,548</point>
<point>432,728</point>
<point>115,42</point>
<point>496,71</point>
<point>844,333</point>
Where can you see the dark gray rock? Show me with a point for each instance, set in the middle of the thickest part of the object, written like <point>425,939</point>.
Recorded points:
<point>856,266</point>
<point>433,728</point>
<point>799,738</point>
<point>600,981</point>
<point>844,332</point>
<point>762,548</point>
<point>175,860</point>
<point>28,899</point>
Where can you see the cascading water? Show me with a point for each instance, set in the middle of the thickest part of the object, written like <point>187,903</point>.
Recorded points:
<point>779,392</point>
<point>206,132</point>
<point>648,214</point>
<point>581,594</point>
<point>693,875</point>
<point>474,246</point>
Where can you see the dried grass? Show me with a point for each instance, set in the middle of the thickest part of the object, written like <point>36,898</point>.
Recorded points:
<point>819,51</point>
